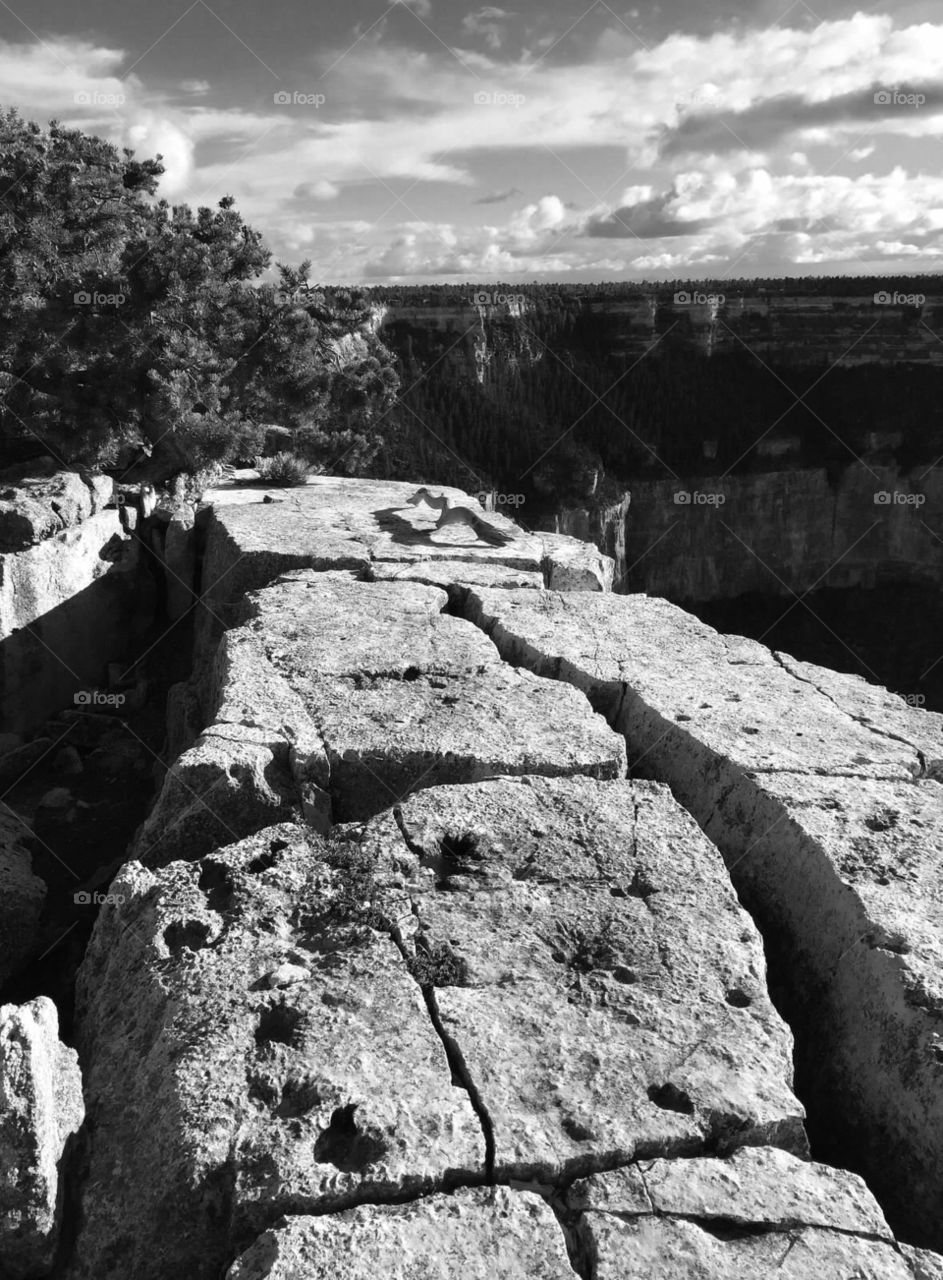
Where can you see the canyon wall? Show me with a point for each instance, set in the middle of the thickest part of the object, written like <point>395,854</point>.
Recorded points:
<point>699,538</point>
<point>780,329</point>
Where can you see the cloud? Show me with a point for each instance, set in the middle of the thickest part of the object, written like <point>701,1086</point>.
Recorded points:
<point>498,197</point>
<point>487,23</point>
<point>319,189</point>
<point>420,7</point>
<point>741,140</point>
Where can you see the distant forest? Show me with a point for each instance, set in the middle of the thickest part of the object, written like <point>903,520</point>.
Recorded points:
<point>555,410</point>
<point>450,295</point>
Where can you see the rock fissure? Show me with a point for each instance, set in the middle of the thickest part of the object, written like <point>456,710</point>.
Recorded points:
<point>920,772</point>
<point>797,833</point>
<point>517,1020</point>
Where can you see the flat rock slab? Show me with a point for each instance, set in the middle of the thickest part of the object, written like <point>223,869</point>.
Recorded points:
<point>269,1052</point>
<point>724,692</point>
<point>40,1109</point>
<point>333,523</point>
<point>473,1234</point>
<point>760,1215</point>
<point>309,628</point>
<point>456,573</point>
<point>336,698</point>
<point>821,792</point>
<point>592,965</point>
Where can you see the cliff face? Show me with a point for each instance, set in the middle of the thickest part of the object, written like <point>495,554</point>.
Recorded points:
<point>773,533</point>
<point>468,340</point>
<point>782,330</point>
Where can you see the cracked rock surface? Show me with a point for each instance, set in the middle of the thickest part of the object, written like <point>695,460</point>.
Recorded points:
<point>523,978</point>
<point>475,1234</point>
<point>336,698</point>
<point>285,1061</point>
<point>821,793</point>
<point>761,1213</point>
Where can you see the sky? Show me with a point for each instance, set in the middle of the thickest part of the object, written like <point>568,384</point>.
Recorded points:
<point>421,140</point>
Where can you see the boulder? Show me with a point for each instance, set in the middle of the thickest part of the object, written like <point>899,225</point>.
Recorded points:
<point>40,1109</point>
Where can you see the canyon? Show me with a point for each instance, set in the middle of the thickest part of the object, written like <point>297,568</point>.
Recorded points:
<point>482,918</point>
<point>716,479</point>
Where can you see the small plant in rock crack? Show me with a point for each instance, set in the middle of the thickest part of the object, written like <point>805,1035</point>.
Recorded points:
<point>435,964</point>
<point>356,897</point>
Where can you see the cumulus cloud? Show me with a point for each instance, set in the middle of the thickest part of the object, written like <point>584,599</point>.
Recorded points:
<point>741,140</point>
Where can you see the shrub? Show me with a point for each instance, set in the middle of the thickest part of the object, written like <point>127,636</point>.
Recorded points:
<point>285,469</point>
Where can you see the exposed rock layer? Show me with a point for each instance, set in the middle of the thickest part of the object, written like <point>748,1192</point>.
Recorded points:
<point>822,793</point>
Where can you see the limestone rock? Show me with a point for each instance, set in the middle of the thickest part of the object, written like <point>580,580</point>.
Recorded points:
<point>473,1234</point>
<point>22,895</point>
<point>337,697</point>
<point>728,692</point>
<point>818,790</point>
<point>332,523</point>
<point>760,1214</point>
<point>248,1103</point>
<point>603,984</point>
<point>38,506</point>
<point>40,1108</point>
<point>455,573</point>
<point>924,1264</point>
<point>572,565</point>
<point>66,604</point>
<point>233,781</point>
